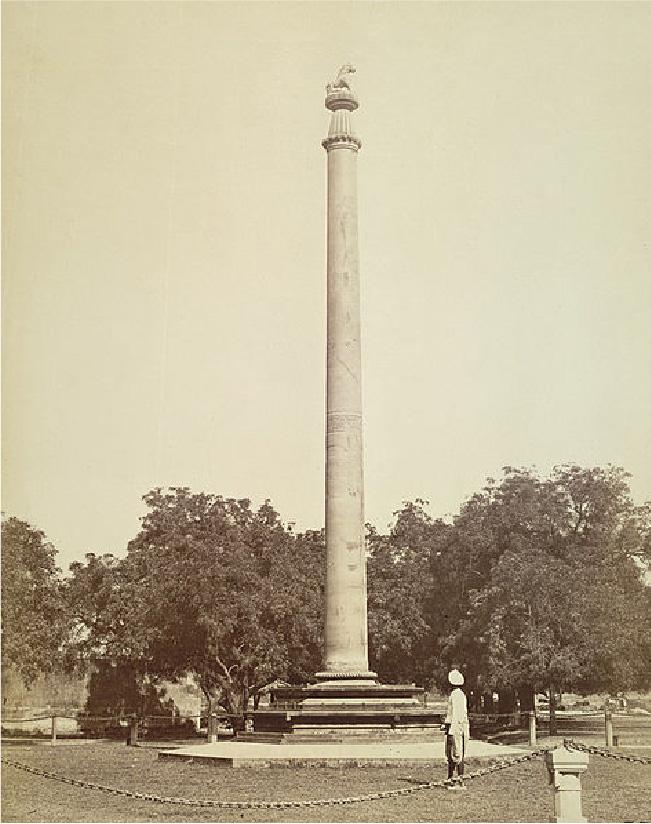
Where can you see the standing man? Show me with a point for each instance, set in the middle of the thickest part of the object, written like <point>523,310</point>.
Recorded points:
<point>457,730</point>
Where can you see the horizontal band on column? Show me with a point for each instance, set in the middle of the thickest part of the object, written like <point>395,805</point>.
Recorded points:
<point>341,141</point>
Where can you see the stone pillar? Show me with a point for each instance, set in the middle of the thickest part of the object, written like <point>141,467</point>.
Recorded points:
<point>609,728</point>
<point>213,727</point>
<point>532,728</point>
<point>565,768</point>
<point>346,624</point>
<point>347,701</point>
<point>132,740</point>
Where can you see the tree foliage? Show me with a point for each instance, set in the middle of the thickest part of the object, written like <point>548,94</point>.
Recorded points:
<point>550,575</point>
<point>34,617</point>
<point>210,587</point>
<point>400,581</point>
<point>538,583</point>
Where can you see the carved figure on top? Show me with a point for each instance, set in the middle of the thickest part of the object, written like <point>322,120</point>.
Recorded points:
<point>342,79</point>
<point>339,96</point>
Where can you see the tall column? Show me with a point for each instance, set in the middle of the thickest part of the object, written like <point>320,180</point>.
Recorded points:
<point>346,623</point>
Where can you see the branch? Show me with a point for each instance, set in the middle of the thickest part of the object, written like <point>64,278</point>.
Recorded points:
<point>226,670</point>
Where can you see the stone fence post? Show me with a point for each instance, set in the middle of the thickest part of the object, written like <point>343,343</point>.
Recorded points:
<point>609,728</point>
<point>213,728</point>
<point>532,728</point>
<point>133,731</point>
<point>565,768</point>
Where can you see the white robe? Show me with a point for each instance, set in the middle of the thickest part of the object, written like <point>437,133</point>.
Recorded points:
<point>457,718</point>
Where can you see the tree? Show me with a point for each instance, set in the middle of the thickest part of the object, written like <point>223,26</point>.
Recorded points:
<point>210,587</point>
<point>119,688</point>
<point>34,617</point>
<point>97,594</point>
<point>400,580</point>
<point>544,562</point>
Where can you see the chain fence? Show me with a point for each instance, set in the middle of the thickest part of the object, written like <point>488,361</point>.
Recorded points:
<point>127,716</point>
<point>417,786</point>
<point>123,717</point>
<point>604,753</point>
<point>284,804</point>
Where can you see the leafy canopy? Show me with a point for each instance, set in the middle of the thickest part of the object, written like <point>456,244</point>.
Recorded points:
<point>210,587</point>
<point>34,616</point>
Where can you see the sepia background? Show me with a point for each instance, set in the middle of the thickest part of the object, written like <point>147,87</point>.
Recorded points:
<point>164,240</point>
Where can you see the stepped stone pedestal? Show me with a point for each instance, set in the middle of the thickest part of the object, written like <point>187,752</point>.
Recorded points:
<point>345,711</point>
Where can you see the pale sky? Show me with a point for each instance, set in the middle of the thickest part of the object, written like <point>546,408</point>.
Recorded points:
<point>164,237</point>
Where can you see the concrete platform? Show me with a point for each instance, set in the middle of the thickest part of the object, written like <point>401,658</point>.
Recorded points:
<point>242,754</point>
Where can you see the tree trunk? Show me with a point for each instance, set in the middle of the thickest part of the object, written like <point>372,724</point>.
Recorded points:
<point>488,704</point>
<point>245,695</point>
<point>553,728</point>
<point>526,694</point>
<point>212,723</point>
<point>506,701</point>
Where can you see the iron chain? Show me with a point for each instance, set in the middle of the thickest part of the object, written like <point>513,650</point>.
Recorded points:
<point>618,756</point>
<point>257,805</point>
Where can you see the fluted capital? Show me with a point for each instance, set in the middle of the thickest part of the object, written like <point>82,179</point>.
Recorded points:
<point>341,101</point>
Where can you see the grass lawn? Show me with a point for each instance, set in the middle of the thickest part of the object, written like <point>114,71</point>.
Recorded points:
<point>613,790</point>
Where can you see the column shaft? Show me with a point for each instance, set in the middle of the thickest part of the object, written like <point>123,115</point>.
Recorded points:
<point>346,622</point>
